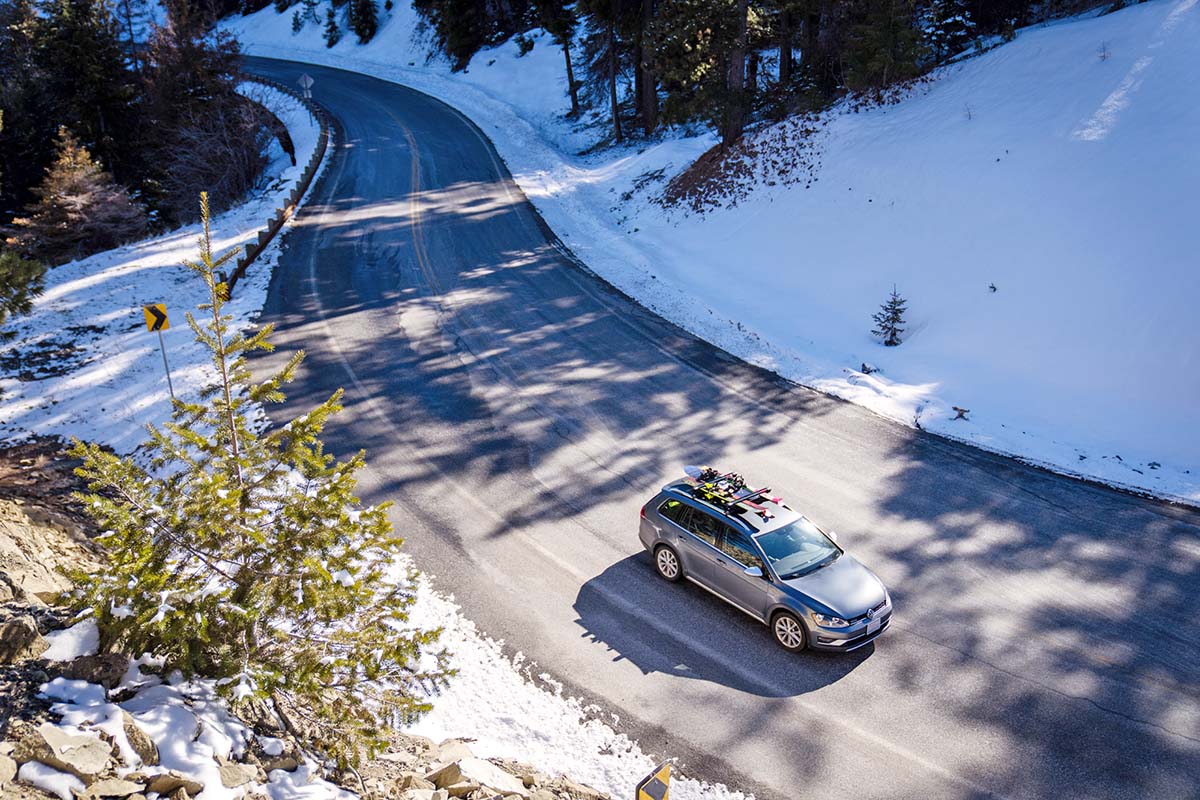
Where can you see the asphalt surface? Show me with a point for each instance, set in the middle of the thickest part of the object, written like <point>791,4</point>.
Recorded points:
<point>519,411</point>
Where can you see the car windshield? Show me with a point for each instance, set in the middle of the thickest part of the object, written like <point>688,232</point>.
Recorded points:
<point>797,548</point>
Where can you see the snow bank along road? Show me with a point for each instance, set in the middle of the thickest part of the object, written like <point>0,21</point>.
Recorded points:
<point>519,411</point>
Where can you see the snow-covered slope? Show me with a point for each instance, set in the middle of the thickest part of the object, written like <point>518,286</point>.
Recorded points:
<point>82,363</point>
<point>1065,180</point>
<point>1060,168</point>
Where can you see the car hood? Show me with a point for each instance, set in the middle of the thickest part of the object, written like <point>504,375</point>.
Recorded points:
<point>845,587</point>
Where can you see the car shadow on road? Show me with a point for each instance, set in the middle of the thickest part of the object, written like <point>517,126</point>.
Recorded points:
<point>679,629</point>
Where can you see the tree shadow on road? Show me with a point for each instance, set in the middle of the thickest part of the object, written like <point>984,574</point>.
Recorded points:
<point>1057,618</point>
<point>1047,627</point>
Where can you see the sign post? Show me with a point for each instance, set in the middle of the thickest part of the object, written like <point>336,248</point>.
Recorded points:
<point>306,83</point>
<point>656,785</point>
<point>157,322</point>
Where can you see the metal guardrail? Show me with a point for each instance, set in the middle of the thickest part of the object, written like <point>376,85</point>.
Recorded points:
<point>282,215</point>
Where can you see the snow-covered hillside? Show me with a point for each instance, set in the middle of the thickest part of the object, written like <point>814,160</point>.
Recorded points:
<point>82,363</point>
<point>1060,168</point>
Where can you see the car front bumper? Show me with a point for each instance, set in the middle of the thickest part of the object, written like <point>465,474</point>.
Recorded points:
<point>851,638</point>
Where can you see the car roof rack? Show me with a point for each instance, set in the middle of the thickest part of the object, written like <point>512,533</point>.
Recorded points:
<point>727,491</point>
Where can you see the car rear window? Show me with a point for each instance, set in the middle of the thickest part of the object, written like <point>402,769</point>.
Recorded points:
<point>676,511</point>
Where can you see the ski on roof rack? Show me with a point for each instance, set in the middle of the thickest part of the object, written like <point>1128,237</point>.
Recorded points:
<point>727,491</point>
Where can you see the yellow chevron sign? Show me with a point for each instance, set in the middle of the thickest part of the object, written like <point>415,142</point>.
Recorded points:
<point>656,785</point>
<point>156,317</point>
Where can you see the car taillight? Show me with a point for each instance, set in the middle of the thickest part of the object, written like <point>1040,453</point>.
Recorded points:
<point>643,515</point>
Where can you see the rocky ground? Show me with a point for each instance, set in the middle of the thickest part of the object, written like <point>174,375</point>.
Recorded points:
<point>65,730</point>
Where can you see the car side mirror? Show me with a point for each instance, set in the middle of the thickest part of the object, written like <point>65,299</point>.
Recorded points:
<point>833,535</point>
<point>754,572</point>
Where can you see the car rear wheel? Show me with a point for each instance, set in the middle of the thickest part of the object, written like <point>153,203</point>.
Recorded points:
<point>666,563</point>
<point>789,631</point>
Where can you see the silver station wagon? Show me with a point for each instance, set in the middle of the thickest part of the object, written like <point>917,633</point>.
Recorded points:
<point>761,556</point>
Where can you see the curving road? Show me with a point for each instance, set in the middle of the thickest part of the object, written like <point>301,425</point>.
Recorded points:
<point>519,411</point>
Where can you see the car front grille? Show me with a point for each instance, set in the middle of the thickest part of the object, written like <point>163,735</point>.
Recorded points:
<point>869,614</point>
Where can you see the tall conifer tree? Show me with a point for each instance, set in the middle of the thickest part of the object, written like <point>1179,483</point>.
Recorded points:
<point>883,46</point>
<point>558,18</point>
<point>333,34</point>
<point>364,19</point>
<point>243,555</point>
<point>947,27</point>
<point>80,45</point>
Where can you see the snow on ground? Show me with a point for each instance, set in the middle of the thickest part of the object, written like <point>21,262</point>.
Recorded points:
<point>1061,177</point>
<point>188,724</point>
<point>83,364</point>
<point>493,701</point>
<point>68,644</point>
<point>48,779</point>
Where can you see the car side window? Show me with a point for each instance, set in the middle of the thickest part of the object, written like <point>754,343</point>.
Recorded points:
<point>676,511</point>
<point>704,526</point>
<point>738,546</point>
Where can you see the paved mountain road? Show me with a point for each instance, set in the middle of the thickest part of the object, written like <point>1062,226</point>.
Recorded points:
<point>518,410</point>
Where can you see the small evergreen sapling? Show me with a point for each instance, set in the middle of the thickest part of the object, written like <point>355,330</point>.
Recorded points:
<point>297,21</point>
<point>243,555</point>
<point>889,320</point>
<point>80,209</point>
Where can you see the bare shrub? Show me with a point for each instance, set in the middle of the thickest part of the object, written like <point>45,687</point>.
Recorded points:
<point>221,151</point>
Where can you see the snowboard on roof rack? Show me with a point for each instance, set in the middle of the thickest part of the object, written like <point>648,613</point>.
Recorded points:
<point>727,490</point>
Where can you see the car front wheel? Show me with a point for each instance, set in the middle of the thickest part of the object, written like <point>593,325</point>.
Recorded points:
<point>666,562</point>
<point>789,631</point>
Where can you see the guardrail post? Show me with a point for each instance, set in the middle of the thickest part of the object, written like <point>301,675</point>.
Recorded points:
<point>252,251</point>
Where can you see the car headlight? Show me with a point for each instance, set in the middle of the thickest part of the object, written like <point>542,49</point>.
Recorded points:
<point>829,622</point>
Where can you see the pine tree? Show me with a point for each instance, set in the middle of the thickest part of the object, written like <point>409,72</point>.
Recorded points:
<point>645,79</point>
<point>131,15</point>
<point>364,19</point>
<point>26,137</point>
<point>787,18</point>
<point>558,18</point>
<point>297,21</point>
<point>460,28</point>
<point>609,53</point>
<point>203,134</point>
<point>889,320</point>
<point>20,282</point>
<point>693,42</point>
<point>947,27</point>
<point>244,556</point>
<point>883,46</point>
<point>79,44</point>
<point>333,34</point>
<point>80,209</point>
